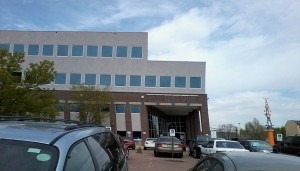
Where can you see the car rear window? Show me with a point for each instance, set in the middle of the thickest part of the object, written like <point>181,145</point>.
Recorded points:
<point>229,144</point>
<point>168,139</point>
<point>25,156</point>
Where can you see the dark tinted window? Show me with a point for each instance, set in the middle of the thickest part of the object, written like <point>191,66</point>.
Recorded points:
<point>80,159</point>
<point>209,164</point>
<point>25,156</point>
<point>168,139</point>
<point>101,155</point>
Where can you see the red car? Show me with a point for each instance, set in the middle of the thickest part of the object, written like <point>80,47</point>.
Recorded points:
<point>129,142</point>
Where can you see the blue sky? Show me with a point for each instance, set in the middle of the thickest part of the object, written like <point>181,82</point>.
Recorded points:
<point>251,47</point>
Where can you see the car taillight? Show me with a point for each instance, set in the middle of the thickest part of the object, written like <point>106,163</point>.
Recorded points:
<point>180,146</point>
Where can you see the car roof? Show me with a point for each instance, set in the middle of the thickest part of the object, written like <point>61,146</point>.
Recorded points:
<point>41,132</point>
<point>262,161</point>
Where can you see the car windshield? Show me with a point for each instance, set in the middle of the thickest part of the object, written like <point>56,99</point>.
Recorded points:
<point>151,139</point>
<point>259,144</point>
<point>229,144</point>
<point>25,156</point>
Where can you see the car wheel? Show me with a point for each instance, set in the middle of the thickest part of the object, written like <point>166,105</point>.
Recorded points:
<point>180,155</point>
<point>155,154</point>
<point>145,148</point>
<point>133,148</point>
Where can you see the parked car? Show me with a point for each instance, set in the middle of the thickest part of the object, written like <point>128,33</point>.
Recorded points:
<point>183,145</point>
<point>164,146</point>
<point>196,144</point>
<point>48,144</point>
<point>291,145</point>
<point>240,161</point>
<point>149,143</point>
<point>216,146</point>
<point>129,143</point>
<point>257,146</point>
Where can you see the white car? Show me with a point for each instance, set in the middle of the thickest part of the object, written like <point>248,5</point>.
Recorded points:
<point>149,143</point>
<point>216,146</point>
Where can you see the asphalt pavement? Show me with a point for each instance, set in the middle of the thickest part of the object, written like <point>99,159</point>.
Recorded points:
<point>146,161</point>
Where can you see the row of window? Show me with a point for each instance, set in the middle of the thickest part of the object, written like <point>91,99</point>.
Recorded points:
<point>63,50</point>
<point>119,108</point>
<point>134,80</point>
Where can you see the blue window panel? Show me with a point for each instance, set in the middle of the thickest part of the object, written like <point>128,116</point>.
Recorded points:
<point>120,108</point>
<point>75,78</point>
<point>90,79</point>
<point>121,51</point>
<point>107,51</point>
<point>33,49</point>
<point>105,79</point>
<point>60,78</point>
<point>165,81</point>
<point>150,81</point>
<point>135,108</point>
<point>135,80</point>
<point>92,51</point>
<point>18,48</point>
<point>62,50</point>
<point>180,82</point>
<point>74,107</point>
<point>120,80</point>
<point>47,50</point>
<point>4,46</point>
<point>195,82</point>
<point>136,52</point>
<point>77,50</point>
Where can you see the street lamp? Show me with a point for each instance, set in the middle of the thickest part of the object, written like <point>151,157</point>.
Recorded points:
<point>239,129</point>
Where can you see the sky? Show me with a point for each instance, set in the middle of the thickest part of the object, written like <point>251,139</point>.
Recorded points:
<point>251,47</point>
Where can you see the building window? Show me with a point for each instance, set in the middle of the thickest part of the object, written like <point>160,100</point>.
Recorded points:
<point>92,51</point>
<point>121,133</point>
<point>62,50</point>
<point>107,51</point>
<point>74,107</point>
<point>120,80</point>
<point>136,52</point>
<point>150,81</point>
<point>105,79</point>
<point>120,108</point>
<point>47,50</point>
<point>135,80</point>
<point>90,79</point>
<point>180,82</point>
<point>195,82</point>
<point>33,50</point>
<point>60,78</point>
<point>136,134</point>
<point>121,51</point>
<point>77,50</point>
<point>75,78</point>
<point>18,48</point>
<point>4,46</point>
<point>135,108</point>
<point>165,81</point>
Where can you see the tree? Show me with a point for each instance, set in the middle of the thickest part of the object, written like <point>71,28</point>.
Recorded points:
<point>21,92</point>
<point>254,130</point>
<point>93,102</point>
<point>227,131</point>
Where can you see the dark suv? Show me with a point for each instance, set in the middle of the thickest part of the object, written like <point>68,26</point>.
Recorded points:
<point>291,145</point>
<point>44,144</point>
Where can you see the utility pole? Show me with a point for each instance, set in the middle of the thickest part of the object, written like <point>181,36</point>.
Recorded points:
<point>269,125</point>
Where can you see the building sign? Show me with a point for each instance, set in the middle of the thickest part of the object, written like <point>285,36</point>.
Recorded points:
<point>279,137</point>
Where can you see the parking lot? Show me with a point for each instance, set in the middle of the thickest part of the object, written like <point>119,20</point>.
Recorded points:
<point>146,161</point>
